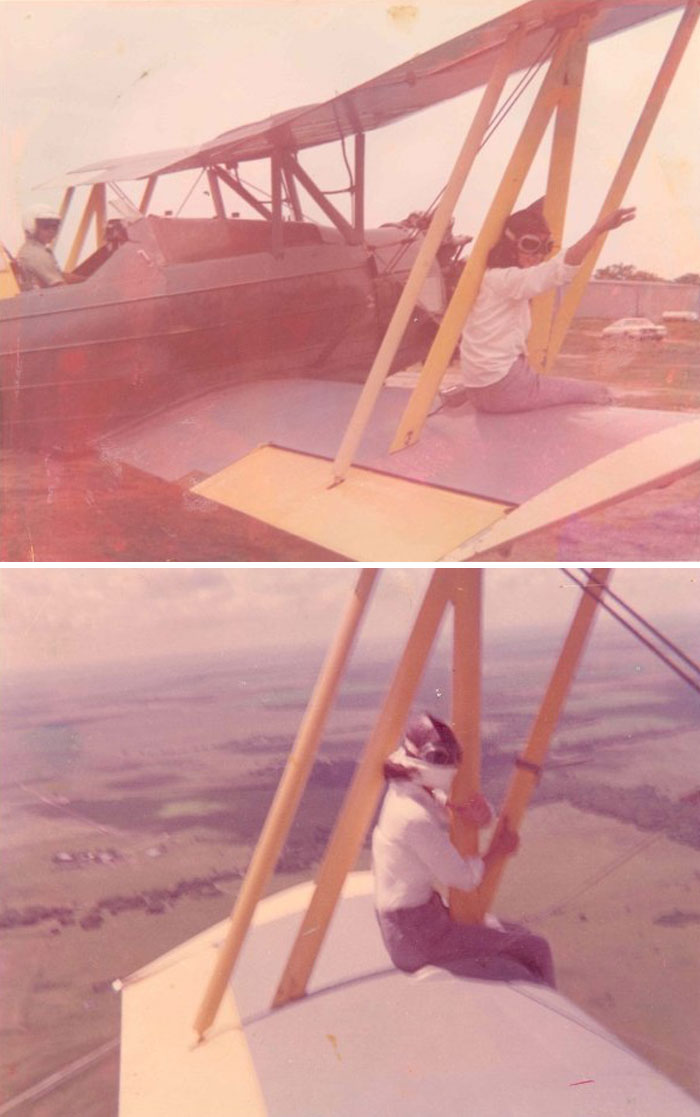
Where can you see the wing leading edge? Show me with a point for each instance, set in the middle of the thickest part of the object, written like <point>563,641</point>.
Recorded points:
<point>445,71</point>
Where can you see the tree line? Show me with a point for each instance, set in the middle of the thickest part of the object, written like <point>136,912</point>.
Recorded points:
<point>629,271</point>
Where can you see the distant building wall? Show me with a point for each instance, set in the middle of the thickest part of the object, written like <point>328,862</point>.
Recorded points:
<point>610,298</point>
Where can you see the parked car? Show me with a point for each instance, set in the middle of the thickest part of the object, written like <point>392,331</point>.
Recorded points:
<point>634,327</point>
<point>679,316</point>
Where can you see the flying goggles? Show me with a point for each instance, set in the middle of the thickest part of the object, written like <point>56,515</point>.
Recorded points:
<point>430,739</point>
<point>437,754</point>
<point>532,244</point>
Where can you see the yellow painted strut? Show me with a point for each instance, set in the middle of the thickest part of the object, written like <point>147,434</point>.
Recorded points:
<point>286,801</point>
<point>426,255</point>
<point>467,289</point>
<point>624,173</point>
<point>461,588</point>
<point>558,183</point>
<point>524,780</point>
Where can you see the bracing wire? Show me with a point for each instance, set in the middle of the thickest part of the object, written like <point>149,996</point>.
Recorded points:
<point>645,842</point>
<point>344,190</point>
<point>647,624</point>
<point>688,678</point>
<point>494,124</point>
<point>253,187</point>
<point>591,882</point>
<point>123,195</point>
<point>518,91</point>
<point>498,118</point>
<point>190,192</point>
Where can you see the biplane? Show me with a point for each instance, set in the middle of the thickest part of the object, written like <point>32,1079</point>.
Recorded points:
<point>170,307</point>
<point>285,434</point>
<point>293,1008</point>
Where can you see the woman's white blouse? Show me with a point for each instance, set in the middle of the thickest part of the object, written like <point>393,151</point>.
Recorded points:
<point>412,851</point>
<point>497,328</point>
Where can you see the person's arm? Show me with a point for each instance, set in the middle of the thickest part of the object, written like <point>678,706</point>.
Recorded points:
<point>527,283</point>
<point>476,810</point>
<point>576,254</point>
<point>39,265</point>
<point>505,843</point>
<point>43,269</point>
<point>446,864</point>
<point>433,847</point>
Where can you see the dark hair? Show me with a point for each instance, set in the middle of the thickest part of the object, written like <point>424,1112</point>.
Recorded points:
<point>504,253</point>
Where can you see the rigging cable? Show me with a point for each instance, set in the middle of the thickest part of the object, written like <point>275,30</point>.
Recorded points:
<point>648,841</point>
<point>189,193</point>
<point>264,194</point>
<point>590,882</point>
<point>253,186</point>
<point>695,684</point>
<point>498,118</point>
<point>519,89</point>
<point>344,190</point>
<point>647,624</point>
<point>115,186</point>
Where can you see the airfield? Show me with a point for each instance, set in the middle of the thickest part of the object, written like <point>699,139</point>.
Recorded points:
<point>98,508</point>
<point>133,799</point>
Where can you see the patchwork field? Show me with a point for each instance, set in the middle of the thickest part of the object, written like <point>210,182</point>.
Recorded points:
<point>132,803</point>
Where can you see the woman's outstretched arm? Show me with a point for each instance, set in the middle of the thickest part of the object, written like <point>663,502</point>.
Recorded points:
<point>576,254</point>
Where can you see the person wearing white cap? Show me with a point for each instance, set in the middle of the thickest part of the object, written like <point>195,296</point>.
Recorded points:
<point>412,853</point>
<point>37,264</point>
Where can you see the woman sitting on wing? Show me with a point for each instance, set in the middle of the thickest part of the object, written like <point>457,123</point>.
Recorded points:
<point>412,851</point>
<point>493,349</point>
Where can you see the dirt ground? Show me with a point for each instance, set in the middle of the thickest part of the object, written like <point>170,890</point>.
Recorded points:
<point>92,510</point>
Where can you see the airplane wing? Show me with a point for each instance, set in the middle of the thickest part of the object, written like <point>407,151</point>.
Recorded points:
<point>454,67</point>
<point>368,1039</point>
<point>473,481</point>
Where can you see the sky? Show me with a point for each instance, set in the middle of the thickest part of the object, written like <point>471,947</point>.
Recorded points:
<point>51,617</point>
<point>86,80</point>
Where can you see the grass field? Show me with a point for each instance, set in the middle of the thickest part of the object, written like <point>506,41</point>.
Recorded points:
<point>93,510</point>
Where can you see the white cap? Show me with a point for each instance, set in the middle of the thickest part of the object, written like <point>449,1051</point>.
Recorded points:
<point>39,212</point>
